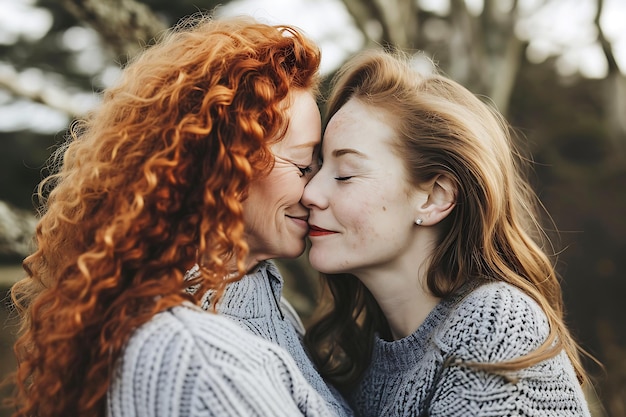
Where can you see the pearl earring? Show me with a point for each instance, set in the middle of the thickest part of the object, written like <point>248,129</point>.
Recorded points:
<point>419,222</point>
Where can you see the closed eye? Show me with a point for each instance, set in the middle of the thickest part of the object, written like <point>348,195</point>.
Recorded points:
<point>305,170</point>
<point>342,178</point>
<point>309,170</point>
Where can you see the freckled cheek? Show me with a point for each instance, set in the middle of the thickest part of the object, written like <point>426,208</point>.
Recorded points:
<point>363,224</point>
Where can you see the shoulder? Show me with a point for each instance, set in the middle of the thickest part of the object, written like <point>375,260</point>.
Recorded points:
<point>161,366</point>
<point>192,362</point>
<point>185,321</point>
<point>494,322</point>
<point>172,341</point>
<point>186,330</point>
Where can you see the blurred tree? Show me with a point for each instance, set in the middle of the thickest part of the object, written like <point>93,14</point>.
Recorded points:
<point>480,50</point>
<point>105,33</point>
<point>125,25</point>
<point>477,47</point>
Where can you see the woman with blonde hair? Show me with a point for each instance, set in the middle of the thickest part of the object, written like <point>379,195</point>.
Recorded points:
<point>444,300</point>
<point>198,156</point>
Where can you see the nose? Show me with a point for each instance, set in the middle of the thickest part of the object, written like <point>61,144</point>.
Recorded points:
<point>313,195</point>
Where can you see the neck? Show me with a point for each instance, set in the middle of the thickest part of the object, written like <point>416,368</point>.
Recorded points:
<point>405,303</point>
<point>252,261</point>
<point>402,293</point>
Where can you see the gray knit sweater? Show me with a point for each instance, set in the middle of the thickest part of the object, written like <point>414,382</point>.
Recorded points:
<point>494,322</point>
<point>186,362</point>
<point>255,302</point>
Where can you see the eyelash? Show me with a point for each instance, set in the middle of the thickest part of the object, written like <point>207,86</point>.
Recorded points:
<point>342,178</point>
<point>305,170</point>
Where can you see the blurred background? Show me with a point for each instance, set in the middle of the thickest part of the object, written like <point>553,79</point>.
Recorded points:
<point>555,68</point>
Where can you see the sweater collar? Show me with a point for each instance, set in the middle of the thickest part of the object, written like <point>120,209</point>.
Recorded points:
<point>402,354</point>
<point>268,271</point>
<point>264,275</point>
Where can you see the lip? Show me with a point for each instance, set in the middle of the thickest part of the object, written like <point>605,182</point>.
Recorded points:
<point>319,231</point>
<point>300,221</point>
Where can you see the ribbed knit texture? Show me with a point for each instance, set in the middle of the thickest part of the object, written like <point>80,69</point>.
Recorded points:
<point>494,322</point>
<point>186,362</point>
<point>255,303</point>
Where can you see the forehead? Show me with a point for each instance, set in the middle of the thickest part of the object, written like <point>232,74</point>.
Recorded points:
<point>305,127</point>
<point>359,125</point>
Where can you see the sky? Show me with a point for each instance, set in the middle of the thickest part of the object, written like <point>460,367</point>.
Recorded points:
<point>562,28</point>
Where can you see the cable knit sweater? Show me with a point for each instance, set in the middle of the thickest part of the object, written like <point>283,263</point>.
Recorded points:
<point>493,322</point>
<point>186,362</point>
<point>255,302</point>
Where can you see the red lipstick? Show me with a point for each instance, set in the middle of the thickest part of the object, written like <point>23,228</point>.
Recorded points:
<point>318,231</point>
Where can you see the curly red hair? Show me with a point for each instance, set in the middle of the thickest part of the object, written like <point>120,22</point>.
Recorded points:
<point>148,184</point>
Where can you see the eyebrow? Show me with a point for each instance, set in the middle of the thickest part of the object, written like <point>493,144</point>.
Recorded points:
<point>347,151</point>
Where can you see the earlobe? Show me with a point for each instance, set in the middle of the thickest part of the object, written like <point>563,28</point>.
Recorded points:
<point>440,202</point>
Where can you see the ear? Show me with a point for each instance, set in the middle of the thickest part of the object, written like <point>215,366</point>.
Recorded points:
<point>440,200</point>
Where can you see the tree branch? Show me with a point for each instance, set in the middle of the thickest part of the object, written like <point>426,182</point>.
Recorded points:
<point>604,43</point>
<point>17,228</point>
<point>364,13</point>
<point>125,25</point>
<point>615,86</point>
<point>60,100</point>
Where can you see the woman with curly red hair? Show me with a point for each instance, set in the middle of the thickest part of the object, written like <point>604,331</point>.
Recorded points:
<point>198,156</point>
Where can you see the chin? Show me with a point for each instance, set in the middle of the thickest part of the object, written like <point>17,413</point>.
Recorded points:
<point>294,251</point>
<point>320,266</point>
